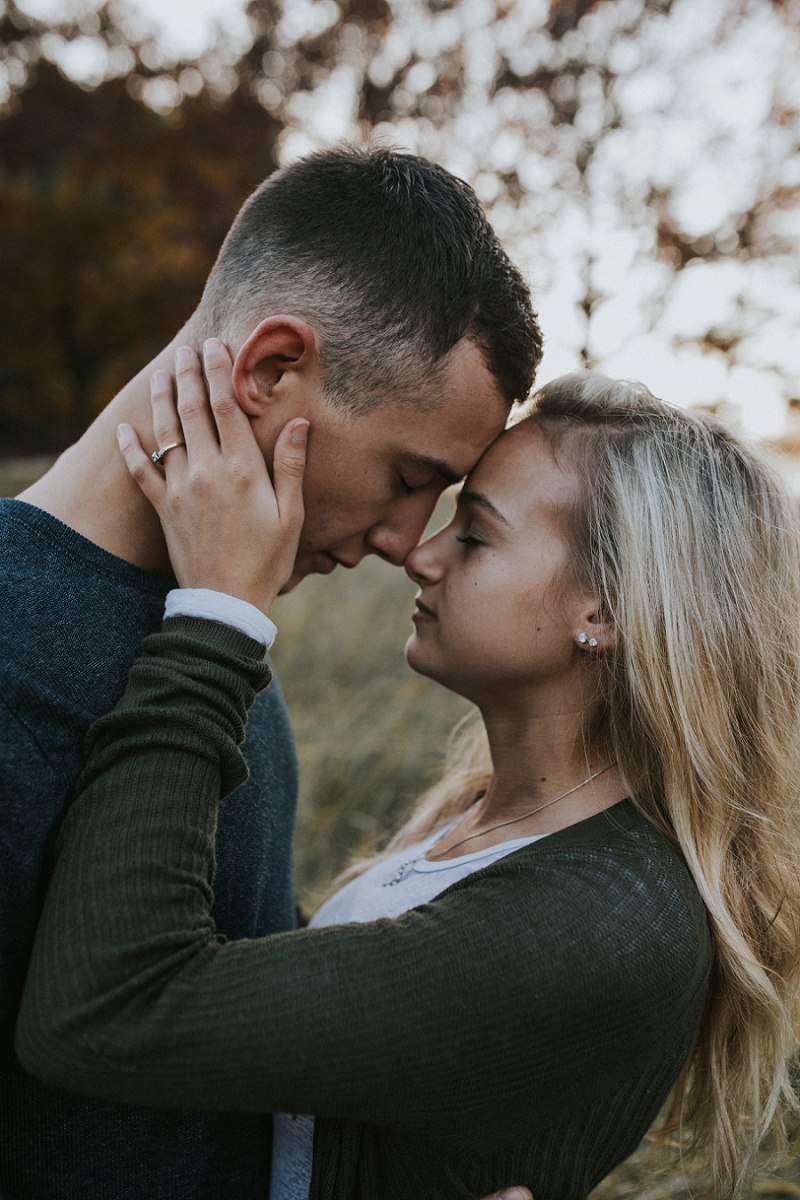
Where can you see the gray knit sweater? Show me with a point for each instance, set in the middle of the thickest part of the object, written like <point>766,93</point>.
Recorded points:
<point>72,619</point>
<point>523,1027</point>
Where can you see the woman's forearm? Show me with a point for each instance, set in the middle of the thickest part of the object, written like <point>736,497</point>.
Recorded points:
<point>157,767</point>
<point>409,1023</point>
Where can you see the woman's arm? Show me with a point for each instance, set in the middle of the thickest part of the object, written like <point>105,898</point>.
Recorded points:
<point>433,1023</point>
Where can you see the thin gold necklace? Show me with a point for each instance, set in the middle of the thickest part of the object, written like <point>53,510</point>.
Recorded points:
<point>515,820</point>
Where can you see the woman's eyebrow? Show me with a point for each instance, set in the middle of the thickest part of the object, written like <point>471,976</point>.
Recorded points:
<point>467,496</point>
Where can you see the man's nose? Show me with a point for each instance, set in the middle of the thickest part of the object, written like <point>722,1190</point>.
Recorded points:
<point>396,536</point>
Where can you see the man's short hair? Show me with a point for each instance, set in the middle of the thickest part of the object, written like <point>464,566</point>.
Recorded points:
<point>392,260</point>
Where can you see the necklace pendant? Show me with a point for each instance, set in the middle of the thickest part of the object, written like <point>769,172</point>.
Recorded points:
<point>401,873</point>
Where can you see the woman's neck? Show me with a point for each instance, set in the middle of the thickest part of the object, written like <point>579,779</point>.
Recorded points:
<point>546,777</point>
<point>537,757</point>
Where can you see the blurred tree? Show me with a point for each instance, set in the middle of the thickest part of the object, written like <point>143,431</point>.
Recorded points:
<point>640,157</point>
<point>110,217</point>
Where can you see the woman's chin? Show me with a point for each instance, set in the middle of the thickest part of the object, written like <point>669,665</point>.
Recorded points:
<point>416,658</point>
<point>422,663</point>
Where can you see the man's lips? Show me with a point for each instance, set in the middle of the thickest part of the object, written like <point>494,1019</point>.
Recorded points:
<point>324,563</point>
<point>422,612</point>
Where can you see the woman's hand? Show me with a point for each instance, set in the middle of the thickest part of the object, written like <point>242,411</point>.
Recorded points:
<point>511,1193</point>
<point>227,527</point>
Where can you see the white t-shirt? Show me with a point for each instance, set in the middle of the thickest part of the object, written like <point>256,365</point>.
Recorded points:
<point>398,883</point>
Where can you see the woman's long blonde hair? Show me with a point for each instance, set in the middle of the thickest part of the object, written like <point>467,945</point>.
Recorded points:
<point>691,541</point>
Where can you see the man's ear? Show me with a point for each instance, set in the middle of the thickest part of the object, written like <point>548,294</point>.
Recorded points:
<point>280,348</point>
<point>595,632</point>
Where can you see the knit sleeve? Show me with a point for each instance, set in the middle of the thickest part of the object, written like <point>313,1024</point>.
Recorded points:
<point>510,981</point>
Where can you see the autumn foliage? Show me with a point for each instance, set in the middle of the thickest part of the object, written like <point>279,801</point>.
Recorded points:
<point>111,216</point>
<point>589,128</point>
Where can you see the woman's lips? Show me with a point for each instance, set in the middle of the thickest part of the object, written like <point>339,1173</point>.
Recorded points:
<point>422,612</point>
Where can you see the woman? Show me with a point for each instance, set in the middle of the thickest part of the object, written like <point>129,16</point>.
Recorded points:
<point>603,894</point>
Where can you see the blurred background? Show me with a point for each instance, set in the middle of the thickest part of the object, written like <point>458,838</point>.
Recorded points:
<point>639,158</point>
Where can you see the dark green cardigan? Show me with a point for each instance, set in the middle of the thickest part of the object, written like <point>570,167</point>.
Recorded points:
<point>523,1027</point>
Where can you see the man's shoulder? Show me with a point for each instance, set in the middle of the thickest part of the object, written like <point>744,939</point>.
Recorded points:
<point>72,621</point>
<point>39,550</point>
<point>69,608</point>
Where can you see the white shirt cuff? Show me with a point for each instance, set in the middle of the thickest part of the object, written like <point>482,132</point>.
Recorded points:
<point>226,610</point>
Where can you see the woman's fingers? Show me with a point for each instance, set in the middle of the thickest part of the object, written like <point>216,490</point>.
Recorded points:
<point>288,468</point>
<point>233,427</point>
<point>206,418</point>
<point>166,423</point>
<point>511,1193</point>
<point>140,466</point>
<point>195,423</point>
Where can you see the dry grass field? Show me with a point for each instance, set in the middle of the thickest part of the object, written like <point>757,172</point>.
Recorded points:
<point>371,735</point>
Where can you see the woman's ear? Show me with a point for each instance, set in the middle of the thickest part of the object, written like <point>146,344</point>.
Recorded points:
<point>279,348</point>
<point>595,630</point>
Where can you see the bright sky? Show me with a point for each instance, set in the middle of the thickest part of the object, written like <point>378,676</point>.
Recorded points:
<point>189,25</point>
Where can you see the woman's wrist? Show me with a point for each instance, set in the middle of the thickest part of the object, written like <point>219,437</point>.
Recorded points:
<point>228,610</point>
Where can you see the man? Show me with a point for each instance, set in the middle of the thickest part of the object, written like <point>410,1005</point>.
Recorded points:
<point>367,292</point>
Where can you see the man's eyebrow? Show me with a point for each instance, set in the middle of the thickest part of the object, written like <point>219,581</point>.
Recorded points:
<point>467,496</point>
<point>436,467</point>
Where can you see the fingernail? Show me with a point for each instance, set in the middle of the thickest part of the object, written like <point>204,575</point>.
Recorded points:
<point>160,379</point>
<point>212,346</point>
<point>513,1193</point>
<point>183,357</point>
<point>121,431</point>
<point>299,434</point>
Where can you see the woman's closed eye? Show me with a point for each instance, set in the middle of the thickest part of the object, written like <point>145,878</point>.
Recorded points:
<point>469,540</point>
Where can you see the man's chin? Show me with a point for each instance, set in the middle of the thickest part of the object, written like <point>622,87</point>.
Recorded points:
<point>318,563</point>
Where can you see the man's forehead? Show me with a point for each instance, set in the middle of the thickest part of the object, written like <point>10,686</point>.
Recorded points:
<point>444,440</point>
<point>449,453</point>
<point>430,465</point>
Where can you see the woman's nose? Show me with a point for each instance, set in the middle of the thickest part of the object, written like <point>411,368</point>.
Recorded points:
<point>423,563</point>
